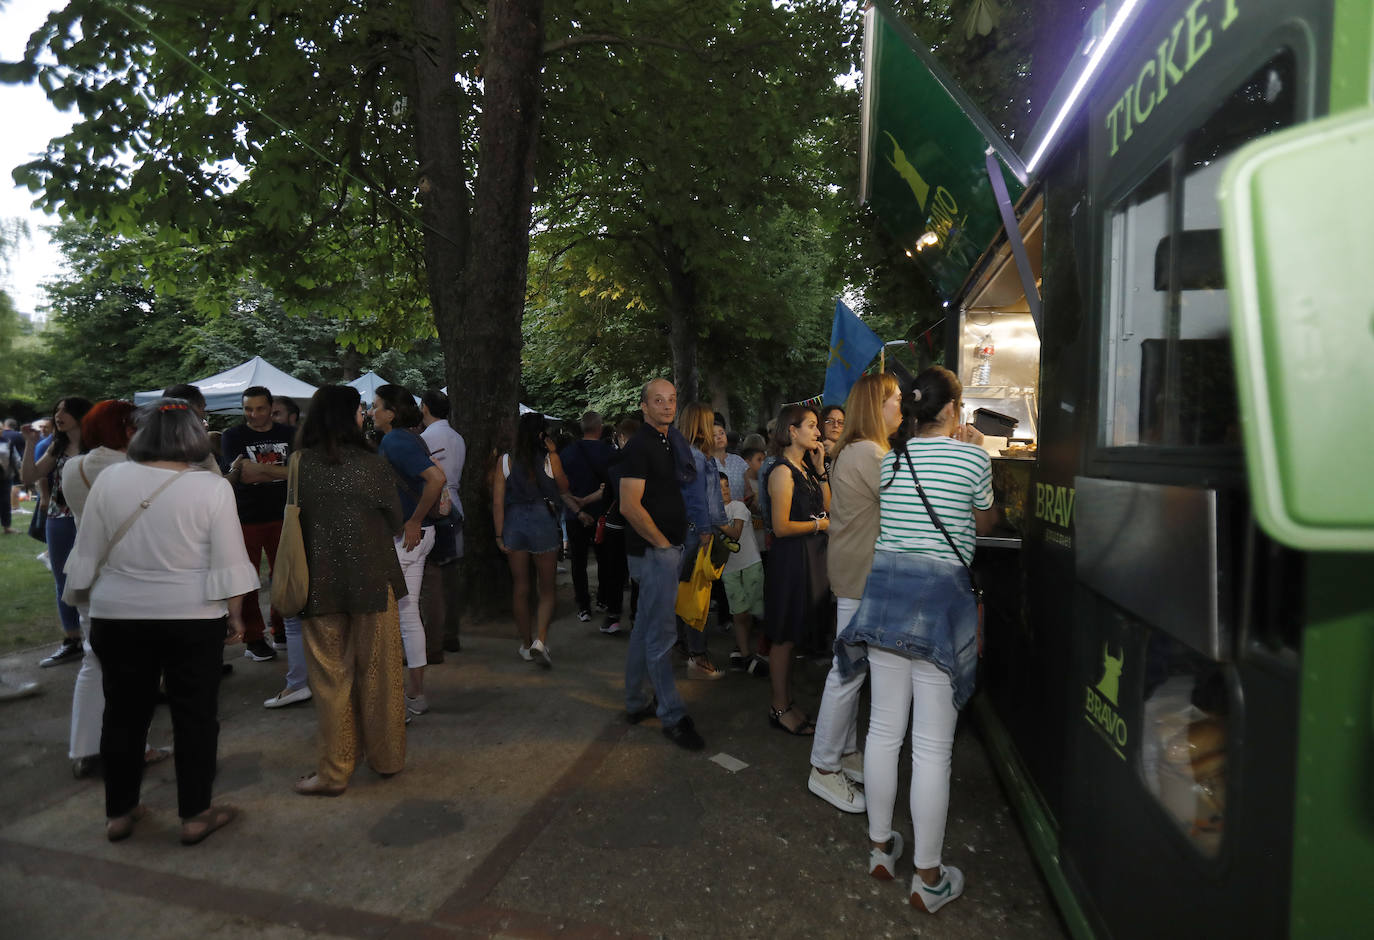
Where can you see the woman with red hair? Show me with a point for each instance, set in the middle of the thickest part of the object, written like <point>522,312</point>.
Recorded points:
<point>106,429</point>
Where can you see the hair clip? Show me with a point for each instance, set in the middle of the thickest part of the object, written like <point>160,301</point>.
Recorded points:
<point>171,408</point>
<point>915,394</point>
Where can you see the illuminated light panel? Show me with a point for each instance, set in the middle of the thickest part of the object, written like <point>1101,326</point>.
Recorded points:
<point>1099,52</point>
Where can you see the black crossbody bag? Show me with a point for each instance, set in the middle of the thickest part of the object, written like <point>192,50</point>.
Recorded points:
<point>935,518</point>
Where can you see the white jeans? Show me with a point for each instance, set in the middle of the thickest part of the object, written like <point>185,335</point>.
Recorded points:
<point>837,722</point>
<point>88,697</point>
<point>901,686</point>
<point>408,607</point>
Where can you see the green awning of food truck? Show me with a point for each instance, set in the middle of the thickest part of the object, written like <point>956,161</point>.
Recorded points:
<point>923,158</point>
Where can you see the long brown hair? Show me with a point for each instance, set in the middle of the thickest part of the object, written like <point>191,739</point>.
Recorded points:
<point>864,420</point>
<point>697,422</point>
<point>790,417</point>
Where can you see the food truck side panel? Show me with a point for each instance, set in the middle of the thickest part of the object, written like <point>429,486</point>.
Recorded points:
<point>1159,725</point>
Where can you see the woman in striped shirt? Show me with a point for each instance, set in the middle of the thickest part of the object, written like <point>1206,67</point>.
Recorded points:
<point>917,626</point>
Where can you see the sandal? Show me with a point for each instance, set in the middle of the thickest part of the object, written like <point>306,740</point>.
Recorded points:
<point>120,828</point>
<point>195,829</point>
<point>312,785</point>
<point>805,728</point>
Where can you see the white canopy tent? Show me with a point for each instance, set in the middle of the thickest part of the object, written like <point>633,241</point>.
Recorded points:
<point>367,385</point>
<point>224,392</point>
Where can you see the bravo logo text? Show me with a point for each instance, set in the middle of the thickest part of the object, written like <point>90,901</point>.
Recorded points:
<point>942,211</point>
<point>1100,705</point>
<point>1054,504</point>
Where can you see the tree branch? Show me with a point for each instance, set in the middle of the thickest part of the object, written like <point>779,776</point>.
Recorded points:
<point>615,39</point>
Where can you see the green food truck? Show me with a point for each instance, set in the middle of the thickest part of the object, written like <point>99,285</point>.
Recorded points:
<point>1162,312</point>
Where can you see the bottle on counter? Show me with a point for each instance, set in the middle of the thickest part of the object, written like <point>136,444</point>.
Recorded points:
<point>982,372</point>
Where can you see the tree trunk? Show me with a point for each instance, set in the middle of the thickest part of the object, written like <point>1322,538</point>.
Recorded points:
<point>482,348</point>
<point>720,396</point>
<point>350,361</point>
<point>682,320</point>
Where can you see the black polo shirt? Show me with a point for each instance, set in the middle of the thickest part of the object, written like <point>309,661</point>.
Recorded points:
<point>649,457</point>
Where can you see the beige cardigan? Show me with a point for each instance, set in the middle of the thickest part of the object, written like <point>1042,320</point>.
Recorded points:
<point>853,517</point>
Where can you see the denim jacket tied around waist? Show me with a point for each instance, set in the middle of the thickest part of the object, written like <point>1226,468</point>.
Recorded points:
<point>919,606</point>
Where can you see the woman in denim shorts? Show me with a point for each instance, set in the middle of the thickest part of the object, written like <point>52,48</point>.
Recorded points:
<point>528,485</point>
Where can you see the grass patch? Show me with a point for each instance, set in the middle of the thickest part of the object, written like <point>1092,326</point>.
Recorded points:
<point>27,587</point>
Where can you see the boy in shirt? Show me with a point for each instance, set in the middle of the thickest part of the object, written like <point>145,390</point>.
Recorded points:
<point>743,580</point>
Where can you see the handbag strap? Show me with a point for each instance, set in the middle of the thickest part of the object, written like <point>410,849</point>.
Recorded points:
<point>293,479</point>
<point>935,518</point>
<point>128,523</point>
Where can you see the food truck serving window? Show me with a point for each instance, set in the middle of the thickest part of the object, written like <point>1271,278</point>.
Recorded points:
<point>1168,371</point>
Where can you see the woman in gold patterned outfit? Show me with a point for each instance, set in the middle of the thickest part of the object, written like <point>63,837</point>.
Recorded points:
<point>350,514</point>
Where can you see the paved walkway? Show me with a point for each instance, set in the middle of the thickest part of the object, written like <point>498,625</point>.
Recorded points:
<point>528,808</point>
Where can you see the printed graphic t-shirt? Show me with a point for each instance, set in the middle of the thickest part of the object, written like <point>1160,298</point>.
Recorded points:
<point>259,502</point>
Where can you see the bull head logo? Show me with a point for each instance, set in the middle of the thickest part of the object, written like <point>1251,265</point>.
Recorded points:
<point>1110,685</point>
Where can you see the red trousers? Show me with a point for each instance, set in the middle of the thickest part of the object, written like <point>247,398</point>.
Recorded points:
<point>260,538</point>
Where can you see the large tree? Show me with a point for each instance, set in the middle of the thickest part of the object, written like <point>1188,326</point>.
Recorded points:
<point>358,159</point>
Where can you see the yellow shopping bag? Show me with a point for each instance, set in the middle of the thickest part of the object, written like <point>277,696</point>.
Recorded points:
<point>694,594</point>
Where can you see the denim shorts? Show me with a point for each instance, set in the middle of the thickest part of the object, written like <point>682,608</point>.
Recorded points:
<point>530,527</point>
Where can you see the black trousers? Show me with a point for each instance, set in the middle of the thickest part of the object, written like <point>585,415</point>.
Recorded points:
<point>581,539</point>
<point>613,572</point>
<point>133,654</point>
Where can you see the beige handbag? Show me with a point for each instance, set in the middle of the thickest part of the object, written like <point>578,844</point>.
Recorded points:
<point>291,575</point>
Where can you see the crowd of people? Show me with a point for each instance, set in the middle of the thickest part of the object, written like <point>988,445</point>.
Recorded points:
<point>850,529</point>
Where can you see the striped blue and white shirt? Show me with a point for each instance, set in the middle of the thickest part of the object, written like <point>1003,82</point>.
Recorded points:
<point>957,478</point>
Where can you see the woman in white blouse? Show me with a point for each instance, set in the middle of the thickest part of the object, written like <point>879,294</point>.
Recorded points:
<point>106,430</point>
<point>161,552</point>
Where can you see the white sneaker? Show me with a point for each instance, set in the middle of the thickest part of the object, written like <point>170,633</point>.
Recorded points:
<point>883,865</point>
<point>417,705</point>
<point>837,790</point>
<point>930,898</point>
<point>541,654</point>
<point>852,766</point>
<point>289,697</point>
<point>525,653</point>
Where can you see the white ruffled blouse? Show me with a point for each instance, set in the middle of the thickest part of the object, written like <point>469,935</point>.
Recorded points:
<point>180,560</point>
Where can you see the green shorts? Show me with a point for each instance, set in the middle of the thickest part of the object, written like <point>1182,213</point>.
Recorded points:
<point>744,589</point>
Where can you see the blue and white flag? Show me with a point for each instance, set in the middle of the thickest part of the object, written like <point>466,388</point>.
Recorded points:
<point>852,348</point>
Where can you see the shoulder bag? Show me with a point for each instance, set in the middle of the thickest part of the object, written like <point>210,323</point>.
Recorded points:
<point>972,578</point>
<point>291,573</point>
<point>38,522</point>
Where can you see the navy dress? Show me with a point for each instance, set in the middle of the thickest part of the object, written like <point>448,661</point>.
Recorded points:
<point>796,588</point>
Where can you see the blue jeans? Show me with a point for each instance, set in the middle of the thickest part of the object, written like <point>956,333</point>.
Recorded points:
<point>651,642</point>
<point>61,537</point>
<point>295,654</point>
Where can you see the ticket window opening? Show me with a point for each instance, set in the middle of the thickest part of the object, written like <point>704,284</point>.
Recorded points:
<point>1000,372</point>
<point>999,350</point>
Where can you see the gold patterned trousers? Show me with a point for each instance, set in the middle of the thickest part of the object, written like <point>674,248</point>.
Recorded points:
<point>357,678</point>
